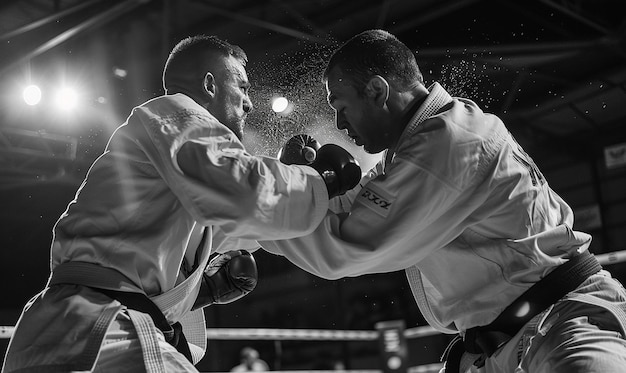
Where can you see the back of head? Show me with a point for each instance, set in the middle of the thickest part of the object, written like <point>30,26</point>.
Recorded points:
<point>192,58</point>
<point>376,52</point>
<point>249,353</point>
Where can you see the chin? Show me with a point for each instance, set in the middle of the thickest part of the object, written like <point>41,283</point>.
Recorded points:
<point>239,132</point>
<point>237,129</point>
<point>369,150</point>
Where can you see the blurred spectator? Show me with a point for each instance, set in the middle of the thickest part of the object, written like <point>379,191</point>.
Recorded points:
<point>250,361</point>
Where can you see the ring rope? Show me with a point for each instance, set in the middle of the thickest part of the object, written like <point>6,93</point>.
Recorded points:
<point>310,334</point>
<point>288,334</point>
<point>291,334</point>
<point>427,368</point>
<point>6,332</point>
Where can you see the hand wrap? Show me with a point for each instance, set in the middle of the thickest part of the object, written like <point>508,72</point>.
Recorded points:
<point>300,149</point>
<point>340,171</point>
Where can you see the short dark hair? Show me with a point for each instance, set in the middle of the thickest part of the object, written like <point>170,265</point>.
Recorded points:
<point>376,52</point>
<point>191,56</point>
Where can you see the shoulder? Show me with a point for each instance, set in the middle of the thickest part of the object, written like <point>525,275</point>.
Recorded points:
<point>454,144</point>
<point>170,104</point>
<point>172,111</point>
<point>461,121</point>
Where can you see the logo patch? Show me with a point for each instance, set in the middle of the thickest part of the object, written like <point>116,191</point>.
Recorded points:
<point>376,200</point>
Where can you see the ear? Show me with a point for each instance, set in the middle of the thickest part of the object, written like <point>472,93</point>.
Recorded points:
<point>377,89</point>
<point>208,84</point>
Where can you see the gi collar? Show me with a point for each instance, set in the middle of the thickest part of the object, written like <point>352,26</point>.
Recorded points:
<point>437,98</point>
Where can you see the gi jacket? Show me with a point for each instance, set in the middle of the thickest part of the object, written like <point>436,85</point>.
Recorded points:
<point>137,215</point>
<point>458,205</point>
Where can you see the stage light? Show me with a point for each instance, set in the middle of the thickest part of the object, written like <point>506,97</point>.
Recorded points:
<point>280,104</point>
<point>120,73</point>
<point>32,95</point>
<point>66,99</point>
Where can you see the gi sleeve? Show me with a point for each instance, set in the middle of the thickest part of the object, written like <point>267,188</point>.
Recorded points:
<point>220,184</point>
<point>418,205</point>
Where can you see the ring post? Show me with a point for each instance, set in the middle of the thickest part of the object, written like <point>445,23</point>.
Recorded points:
<point>393,346</point>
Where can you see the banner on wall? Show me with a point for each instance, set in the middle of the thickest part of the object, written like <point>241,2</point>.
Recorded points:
<point>615,156</point>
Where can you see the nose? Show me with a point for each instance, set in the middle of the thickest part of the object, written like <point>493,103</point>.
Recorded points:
<point>341,122</point>
<point>247,105</point>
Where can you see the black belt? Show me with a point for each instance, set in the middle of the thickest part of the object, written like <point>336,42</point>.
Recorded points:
<point>140,302</point>
<point>487,339</point>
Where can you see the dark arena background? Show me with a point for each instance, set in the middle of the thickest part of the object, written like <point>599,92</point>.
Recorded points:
<point>554,70</point>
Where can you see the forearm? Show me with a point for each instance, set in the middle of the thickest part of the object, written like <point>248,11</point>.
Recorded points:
<point>218,182</point>
<point>252,197</point>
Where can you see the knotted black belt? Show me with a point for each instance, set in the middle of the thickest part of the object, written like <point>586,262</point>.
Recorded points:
<point>140,302</point>
<point>487,339</point>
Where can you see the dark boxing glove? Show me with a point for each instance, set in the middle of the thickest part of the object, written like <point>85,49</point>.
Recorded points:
<point>227,278</point>
<point>300,149</point>
<point>340,171</point>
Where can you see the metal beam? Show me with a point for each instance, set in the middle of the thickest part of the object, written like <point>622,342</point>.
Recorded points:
<point>581,93</point>
<point>512,94</point>
<point>449,7</point>
<point>300,18</point>
<point>44,21</point>
<point>266,25</point>
<point>384,12</point>
<point>523,9</point>
<point>516,49</point>
<point>38,144</point>
<point>576,16</point>
<point>95,21</point>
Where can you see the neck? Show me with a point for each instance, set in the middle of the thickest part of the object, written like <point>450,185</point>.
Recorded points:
<point>411,107</point>
<point>407,104</point>
<point>197,97</point>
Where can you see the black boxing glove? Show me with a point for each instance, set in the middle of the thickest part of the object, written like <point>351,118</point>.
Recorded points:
<point>300,149</point>
<point>340,171</point>
<point>227,278</point>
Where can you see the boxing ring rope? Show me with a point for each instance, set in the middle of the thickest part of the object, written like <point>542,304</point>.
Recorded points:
<point>334,335</point>
<point>304,335</point>
<point>323,335</point>
<point>347,335</point>
<point>613,257</point>
<point>310,334</point>
<point>288,334</point>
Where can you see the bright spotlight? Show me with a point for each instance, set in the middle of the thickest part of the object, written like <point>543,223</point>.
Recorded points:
<point>280,104</point>
<point>120,73</point>
<point>66,99</point>
<point>32,95</point>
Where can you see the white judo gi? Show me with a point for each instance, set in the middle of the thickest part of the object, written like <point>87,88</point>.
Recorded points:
<point>466,212</point>
<point>134,219</point>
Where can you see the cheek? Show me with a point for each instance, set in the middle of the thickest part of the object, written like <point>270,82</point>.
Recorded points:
<point>368,124</point>
<point>237,100</point>
<point>356,116</point>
